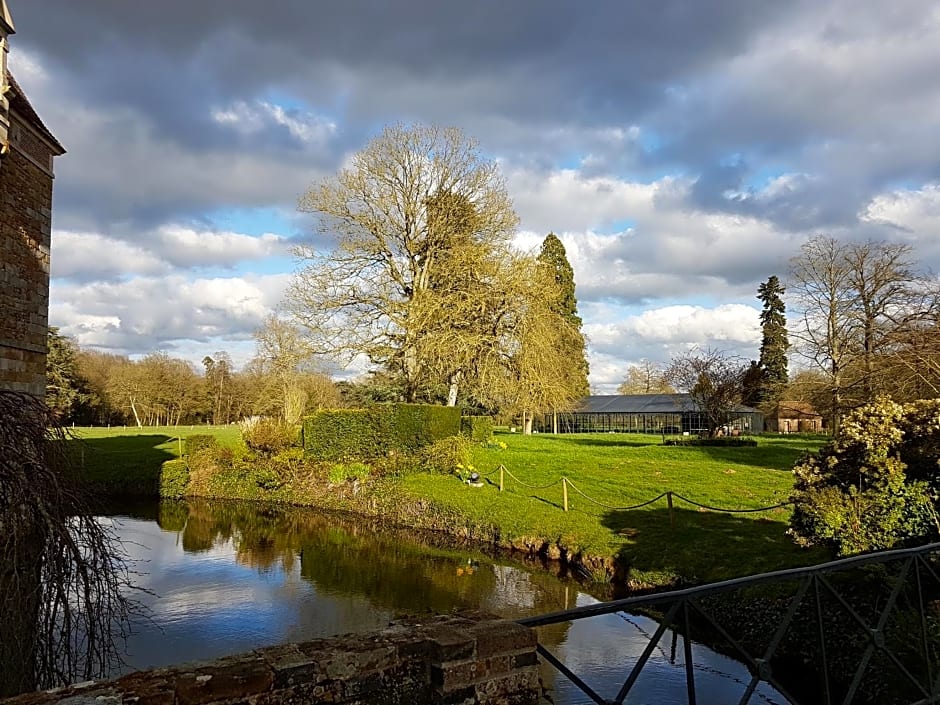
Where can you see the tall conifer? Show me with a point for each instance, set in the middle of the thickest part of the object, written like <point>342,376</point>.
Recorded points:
<point>553,255</point>
<point>774,341</point>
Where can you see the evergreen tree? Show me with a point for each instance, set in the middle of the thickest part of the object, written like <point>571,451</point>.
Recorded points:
<point>553,255</point>
<point>65,388</point>
<point>774,341</point>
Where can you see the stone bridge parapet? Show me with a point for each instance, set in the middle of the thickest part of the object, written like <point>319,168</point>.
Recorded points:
<point>465,659</point>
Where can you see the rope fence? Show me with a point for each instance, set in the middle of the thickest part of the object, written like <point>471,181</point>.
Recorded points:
<point>669,495</point>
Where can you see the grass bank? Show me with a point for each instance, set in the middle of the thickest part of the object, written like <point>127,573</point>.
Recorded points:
<point>643,547</point>
<point>687,545</point>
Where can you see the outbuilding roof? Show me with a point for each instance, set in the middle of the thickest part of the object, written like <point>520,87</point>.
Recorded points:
<point>644,404</point>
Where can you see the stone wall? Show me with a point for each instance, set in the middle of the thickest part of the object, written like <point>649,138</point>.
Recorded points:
<point>453,660</point>
<point>25,234</point>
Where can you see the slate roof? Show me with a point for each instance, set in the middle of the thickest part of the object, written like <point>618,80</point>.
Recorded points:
<point>20,103</point>
<point>644,404</point>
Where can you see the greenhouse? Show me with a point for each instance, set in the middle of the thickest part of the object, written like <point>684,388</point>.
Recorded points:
<point>647,413</point>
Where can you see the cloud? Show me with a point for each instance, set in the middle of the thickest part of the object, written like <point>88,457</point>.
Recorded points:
<point>89,257</point>
<point>145,314</point>
<point>619,339</point>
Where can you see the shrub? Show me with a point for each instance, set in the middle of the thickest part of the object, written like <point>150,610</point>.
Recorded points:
<point>269,436</point>
<point>478,429</point>
<point>174,477</point>
<point>858,493</point>
<point>197,442</point>
<point>448,455</point>
<point>340,472</point>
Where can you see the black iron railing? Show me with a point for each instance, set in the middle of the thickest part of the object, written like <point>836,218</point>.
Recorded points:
<point>857,630</point>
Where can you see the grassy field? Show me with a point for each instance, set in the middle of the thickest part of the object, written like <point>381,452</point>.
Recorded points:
<point>128,459</point>
<point>624,470</point>
<point>612,470</point>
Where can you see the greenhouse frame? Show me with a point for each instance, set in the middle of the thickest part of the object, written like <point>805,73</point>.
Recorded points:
<point>646,413</point>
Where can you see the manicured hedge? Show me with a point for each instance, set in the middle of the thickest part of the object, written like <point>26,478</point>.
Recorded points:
<point>174,476</point>
<point>477,428</point>
<point>414,426</point>
<point>371,433</point>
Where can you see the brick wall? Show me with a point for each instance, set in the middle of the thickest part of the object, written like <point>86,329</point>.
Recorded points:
<point>466,659</point>
<point>25,235</point>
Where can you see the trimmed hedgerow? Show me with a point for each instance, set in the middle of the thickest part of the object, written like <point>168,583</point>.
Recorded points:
<point>347,433</point>
<point>174,476</point>
<point>371,433</point>
<point>416,425</point>
<point>478,429</point>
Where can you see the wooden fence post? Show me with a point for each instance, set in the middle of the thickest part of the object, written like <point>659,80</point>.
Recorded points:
<point>564,491</point>
<point>501,471</point>
<point>672,517</point>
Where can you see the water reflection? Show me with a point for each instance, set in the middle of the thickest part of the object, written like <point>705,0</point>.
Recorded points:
<point>230,577</point>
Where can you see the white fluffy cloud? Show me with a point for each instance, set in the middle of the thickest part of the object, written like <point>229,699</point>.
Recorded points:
<point>144,314</point>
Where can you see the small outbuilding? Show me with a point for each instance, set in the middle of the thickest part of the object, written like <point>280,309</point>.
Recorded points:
<point>794,417</point>
<point>647,413</point>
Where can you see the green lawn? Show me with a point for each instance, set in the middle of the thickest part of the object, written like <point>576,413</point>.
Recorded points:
<point>623,470</point>
<point>128,459</point>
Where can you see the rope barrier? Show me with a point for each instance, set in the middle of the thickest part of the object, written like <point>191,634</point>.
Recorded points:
<point>566,482</point>
<point>730,511</point>
<point>607,506</point>
<point>531,487</point>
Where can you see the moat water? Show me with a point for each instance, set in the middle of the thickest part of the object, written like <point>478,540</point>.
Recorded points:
<point>223,578</point>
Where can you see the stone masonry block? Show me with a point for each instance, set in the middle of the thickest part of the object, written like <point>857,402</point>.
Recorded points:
<point>291,666</point>
<point>450,643</point>
<point>518,688</point>
<point>458,674</point>
<point>235,677</point>
<point>501,637</point>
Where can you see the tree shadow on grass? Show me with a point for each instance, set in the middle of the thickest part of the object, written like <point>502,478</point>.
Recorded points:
<point>695,547</point>
<point>773,457</point>
<point>120,465</point>
<point>611,440</point>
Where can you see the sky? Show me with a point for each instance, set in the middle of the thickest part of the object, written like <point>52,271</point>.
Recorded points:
<point>682,150</point>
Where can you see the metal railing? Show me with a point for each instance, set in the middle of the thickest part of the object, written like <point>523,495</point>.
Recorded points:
<point>874,616</point>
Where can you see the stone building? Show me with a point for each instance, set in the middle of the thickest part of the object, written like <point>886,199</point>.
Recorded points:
<point>794,417</point>
<point>27,150</point>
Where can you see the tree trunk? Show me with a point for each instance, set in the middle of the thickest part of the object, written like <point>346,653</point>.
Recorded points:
<point>136,415</point>
<point>454,388</point>
<point>526,423</point>
<point>555,422</point>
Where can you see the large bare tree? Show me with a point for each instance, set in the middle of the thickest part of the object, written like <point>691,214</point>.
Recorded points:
<point>404,213</point>
<point>713,379</point>
<point>645,377</point>
<point>861,310</point>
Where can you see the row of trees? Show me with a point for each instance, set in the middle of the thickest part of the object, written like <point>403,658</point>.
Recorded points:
<point>89,387</point>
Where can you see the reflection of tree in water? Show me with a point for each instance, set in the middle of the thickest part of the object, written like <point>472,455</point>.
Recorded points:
<point>392,568</point>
